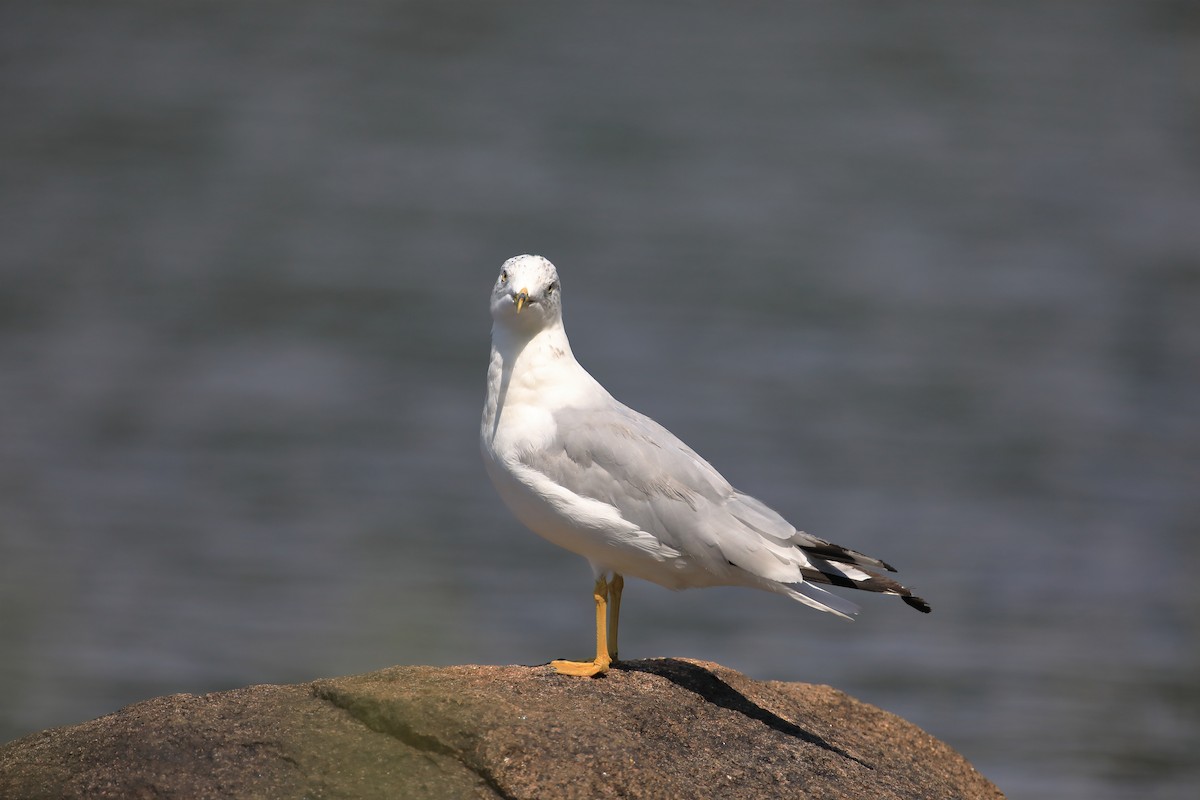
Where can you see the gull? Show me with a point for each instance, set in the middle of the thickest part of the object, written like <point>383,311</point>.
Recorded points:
<point>597,478</point>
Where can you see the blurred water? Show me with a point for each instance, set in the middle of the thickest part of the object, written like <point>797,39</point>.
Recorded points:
<point>925,279</point>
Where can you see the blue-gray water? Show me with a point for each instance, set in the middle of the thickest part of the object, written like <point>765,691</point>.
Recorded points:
<point>926,279</point>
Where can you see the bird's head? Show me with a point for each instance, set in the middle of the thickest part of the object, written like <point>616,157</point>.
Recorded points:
<point>526,294</point>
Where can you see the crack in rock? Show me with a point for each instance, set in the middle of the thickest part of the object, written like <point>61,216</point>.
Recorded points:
<point>407,735</point>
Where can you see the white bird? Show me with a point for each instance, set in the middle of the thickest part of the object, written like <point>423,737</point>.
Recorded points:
<point>599,479</point>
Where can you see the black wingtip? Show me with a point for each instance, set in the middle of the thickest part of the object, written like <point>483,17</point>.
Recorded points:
<point>917,603</point>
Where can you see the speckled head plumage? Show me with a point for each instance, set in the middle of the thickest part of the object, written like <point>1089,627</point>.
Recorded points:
<point>527,295</point>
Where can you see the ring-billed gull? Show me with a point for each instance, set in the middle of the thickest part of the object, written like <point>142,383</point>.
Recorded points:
<point>601,480</point>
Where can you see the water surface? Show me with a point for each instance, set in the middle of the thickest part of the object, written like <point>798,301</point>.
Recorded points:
<point>925,280</point>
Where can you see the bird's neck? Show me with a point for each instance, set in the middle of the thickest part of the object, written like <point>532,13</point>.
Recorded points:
<point>523,364</point>
<point>529,347</point>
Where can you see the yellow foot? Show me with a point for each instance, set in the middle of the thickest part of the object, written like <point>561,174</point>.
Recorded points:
<point>581,669</point>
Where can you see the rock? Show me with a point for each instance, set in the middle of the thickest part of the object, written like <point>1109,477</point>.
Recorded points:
<point>649,729</point>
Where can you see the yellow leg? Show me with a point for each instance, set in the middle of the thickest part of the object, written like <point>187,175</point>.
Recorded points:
<point>587,669</point>
<point>614,613</point>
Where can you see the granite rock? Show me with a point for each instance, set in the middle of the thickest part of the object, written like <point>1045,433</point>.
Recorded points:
<point>655,728</point>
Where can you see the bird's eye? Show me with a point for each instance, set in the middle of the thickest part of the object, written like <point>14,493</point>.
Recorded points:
<point>503,276</point>
<point>550,289</point>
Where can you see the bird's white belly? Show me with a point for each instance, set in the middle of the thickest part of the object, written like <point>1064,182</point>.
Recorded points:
<point>590,528</point>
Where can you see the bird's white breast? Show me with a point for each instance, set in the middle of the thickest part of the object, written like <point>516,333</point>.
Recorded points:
<point>525,387</point>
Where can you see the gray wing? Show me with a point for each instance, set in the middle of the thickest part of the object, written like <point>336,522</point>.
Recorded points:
<point>617,456</point>
<point>627,460</point>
